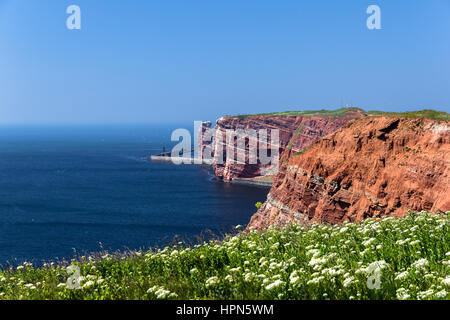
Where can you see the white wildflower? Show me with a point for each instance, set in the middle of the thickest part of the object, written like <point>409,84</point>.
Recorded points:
<point>441,294</point>
<point>212,282</point>
<point>30,286</point>
<point>88,284</point>
<point>402,294</point>
<point>275,284</point>
<point>401,275</point>
<point>317,261</point>
<point>194,270</point>
<point>446,281</point>
<point>368,242</point>
<point>162,293</point>
<point>349,281</point>
<point>422,295</point>
<point>420,264</point>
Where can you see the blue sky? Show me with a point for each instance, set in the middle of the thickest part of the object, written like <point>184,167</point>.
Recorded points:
<point>182,60</point>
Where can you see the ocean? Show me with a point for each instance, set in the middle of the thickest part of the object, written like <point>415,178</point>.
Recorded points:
<point>71,190</point>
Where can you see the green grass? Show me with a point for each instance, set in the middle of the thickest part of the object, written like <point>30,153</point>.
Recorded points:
<point>411,256</point>
<point>307,113</point>
<point>294,136</point>
<point>299,153</point>
<point>426,114</point>
<point>263,179</point>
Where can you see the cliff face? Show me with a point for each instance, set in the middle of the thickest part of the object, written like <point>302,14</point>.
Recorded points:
<point>295,134</point>
<point>204,140</point>
<point>372,167</point>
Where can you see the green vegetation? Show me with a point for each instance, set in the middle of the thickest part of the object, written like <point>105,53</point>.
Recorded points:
<point>294,136</point>
<point>263,179</point>
<point>427,114</point>
<point>299,153</point>
<point>388,258</point>
<point>307,113</point>
<point>258,205</point>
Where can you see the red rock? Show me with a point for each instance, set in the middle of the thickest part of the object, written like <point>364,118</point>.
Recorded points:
<point>372,167</point>
<point>295,134</point>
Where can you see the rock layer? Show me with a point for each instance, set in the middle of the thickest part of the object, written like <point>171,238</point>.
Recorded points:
<point>372,167</point>
<point>295,134</point>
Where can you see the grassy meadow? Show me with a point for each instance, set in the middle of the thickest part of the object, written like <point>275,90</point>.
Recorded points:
<point>425,114</point>
<point>407,258</point>
<point>305,113</point>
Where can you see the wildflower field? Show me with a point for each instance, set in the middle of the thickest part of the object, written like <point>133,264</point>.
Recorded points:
<point>389,258</point>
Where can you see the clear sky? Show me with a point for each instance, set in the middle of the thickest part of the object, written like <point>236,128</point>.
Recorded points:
<point>181,60</point>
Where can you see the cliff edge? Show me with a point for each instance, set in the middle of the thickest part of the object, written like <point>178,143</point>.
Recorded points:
<point>297,130</point>
<point>372,167</point>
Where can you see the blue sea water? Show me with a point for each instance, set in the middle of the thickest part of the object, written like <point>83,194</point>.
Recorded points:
<point>66,189</point>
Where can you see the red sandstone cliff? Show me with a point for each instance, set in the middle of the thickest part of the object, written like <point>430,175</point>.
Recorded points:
<point>371,167</point>
<point>295,134</point>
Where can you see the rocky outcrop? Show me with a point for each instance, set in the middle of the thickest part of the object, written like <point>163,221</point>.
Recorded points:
<point>296,132</point>
<point>372,167</point>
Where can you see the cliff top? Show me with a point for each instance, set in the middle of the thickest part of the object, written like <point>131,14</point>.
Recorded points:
<point>371,167</point>
<point>305,113</point>
<point>427,114</point>
<point>421,114</point>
